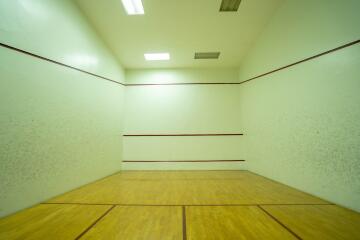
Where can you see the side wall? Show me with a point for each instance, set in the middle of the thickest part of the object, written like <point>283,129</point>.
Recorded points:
<point>182,109</point>
<point>60,128</point>
<point>303,122</point>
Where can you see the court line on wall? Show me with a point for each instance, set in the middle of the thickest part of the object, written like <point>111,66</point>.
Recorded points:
<point>178,161</point>
<point>164,84</point>
<point>58,63</point>
<point>184,135</point>
<point>261,75</point>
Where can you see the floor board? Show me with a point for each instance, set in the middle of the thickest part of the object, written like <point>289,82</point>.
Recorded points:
<point>183,205</point>
<point>50,222</point>
<point>138,223</point>
<point>318,222</point>
<point>232,222</point>
<point>187,188</point>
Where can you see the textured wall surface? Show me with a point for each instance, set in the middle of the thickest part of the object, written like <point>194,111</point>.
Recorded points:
<point>60,128</point>
<point>302,123</point>
<point>182,109</point>
<point>301,29</point>
<point>56,30</point>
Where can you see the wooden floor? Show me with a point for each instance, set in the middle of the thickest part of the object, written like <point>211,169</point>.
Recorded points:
<point>183,205</point>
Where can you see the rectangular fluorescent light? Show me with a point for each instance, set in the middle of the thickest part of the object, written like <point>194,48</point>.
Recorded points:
<point>133,7</point>
<point>156,56</point>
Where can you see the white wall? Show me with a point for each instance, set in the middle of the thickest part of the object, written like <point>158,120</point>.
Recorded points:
<point>182,109</point>
<point>60,128</point>
<point>56,30</point>
<point>301,29</point>
<point>181,75</point>
<point>302,122</point>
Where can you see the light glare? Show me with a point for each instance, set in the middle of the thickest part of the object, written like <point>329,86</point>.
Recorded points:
<point>156,56</point>
<point>133,7</point>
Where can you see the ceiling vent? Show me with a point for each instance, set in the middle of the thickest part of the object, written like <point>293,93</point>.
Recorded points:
<point>207,55</point>
<point>229,5</point>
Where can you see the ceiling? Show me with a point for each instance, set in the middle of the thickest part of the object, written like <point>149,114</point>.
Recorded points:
<point>180,27</point>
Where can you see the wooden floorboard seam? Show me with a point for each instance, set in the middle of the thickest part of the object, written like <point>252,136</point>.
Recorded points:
<point>279,222</point>
<point>95,222</point>
<point>195,205</point>
<point>184,222</point>
<point>95,204</point>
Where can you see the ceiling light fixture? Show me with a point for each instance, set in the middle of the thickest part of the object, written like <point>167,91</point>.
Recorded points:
<point>133,7</point>
<point>156,56</point>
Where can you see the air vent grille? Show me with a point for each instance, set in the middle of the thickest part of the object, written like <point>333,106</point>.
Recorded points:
<point>229,5</point>
<point>207,55</point>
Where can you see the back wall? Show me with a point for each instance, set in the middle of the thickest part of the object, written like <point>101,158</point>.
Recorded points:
<point>182,109</point>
